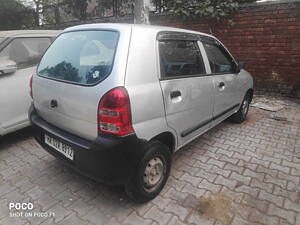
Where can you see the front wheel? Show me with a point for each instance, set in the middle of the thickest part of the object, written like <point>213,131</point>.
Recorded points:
<point>151,174</point>
<point>240,116</point>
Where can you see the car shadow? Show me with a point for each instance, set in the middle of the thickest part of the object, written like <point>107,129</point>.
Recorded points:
<point>106,194</point>
<point>15,137</point>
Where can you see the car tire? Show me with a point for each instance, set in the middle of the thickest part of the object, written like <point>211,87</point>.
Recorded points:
<point>151,174</point>
<point>240,116</point>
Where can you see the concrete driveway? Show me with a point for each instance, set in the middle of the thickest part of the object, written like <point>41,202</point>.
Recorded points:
<point>235,174</point>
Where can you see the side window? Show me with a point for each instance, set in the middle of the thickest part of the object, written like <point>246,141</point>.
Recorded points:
<point>219,59</point>
<point>26,52</point>
<point>180,58</point>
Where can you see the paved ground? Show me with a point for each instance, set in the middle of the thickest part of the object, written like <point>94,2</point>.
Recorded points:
<point>235,174</point>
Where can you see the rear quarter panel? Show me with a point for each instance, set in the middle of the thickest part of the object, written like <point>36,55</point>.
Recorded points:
<point>244,83</point>
<point>142,84</point>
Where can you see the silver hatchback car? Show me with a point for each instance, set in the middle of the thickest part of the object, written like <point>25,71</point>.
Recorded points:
<point>115,101</point>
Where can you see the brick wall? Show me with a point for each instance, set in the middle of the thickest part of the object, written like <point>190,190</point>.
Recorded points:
<point>266,36</point>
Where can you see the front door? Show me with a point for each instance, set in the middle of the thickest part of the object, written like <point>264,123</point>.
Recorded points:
<point>14,87</point>
<point>187,91</point>
<point>223,71</point>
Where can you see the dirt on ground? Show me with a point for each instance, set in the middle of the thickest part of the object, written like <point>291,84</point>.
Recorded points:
<point>217,206</point>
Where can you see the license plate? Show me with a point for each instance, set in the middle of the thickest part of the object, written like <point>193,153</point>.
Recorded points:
<point>59,146</point>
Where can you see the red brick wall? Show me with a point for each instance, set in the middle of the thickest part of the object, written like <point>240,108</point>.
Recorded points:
<point>265,36</point>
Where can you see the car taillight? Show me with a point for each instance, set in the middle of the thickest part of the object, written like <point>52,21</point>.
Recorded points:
<point>114,113</point>
<point>30,86</point>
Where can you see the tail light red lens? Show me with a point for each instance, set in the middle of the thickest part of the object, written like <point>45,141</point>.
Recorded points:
<point>30,86</point>
<point>114,113</point>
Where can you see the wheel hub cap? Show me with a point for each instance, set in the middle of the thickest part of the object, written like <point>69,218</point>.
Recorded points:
<point>154,173</point>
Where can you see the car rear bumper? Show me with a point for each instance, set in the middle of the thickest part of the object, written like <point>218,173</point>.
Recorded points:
<point>108,159</point>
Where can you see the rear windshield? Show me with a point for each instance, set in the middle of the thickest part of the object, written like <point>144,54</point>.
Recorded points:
<point>83,57</point>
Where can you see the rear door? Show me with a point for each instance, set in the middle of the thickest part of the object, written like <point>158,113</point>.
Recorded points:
<point>223,71</point>
<point>14,88</point>
<point>76,71</point>
<point>187,91</point>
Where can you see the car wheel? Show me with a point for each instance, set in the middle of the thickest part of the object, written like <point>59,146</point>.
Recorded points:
<point>240,116</point>
<point>151,174</point>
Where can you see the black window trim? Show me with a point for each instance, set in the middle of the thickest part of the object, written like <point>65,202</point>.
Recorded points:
<point>177,36</point>
<point>184,77</point>
<point>80,84</point>
<point>3,43</point>
<point>195,76</point>
<point>11,39</point>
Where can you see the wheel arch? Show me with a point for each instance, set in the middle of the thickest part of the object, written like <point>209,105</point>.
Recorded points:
<point>166,138</point>
<point>250,94</point>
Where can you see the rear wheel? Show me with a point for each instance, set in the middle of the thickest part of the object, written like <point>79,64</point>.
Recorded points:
<point>240,116</point>
<point>151,174</point>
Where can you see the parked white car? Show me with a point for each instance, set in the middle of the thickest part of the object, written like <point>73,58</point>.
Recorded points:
<point>20,52</point>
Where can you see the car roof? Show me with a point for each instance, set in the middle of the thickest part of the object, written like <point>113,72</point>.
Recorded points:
<point>18,33</point>
<point>120,26</point>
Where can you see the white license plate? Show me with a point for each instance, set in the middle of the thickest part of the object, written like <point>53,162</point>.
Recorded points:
<point>59,146</point>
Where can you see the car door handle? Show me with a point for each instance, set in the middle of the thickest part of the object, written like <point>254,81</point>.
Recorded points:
<point>53,103</point>
<point>221,84</point>
<point>175,94</point>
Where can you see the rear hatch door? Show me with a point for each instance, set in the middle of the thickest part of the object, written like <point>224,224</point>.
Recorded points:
<point>75,72</point>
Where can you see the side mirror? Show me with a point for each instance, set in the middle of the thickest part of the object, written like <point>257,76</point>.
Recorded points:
<point>240,66</point>
<point>7,66</point>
